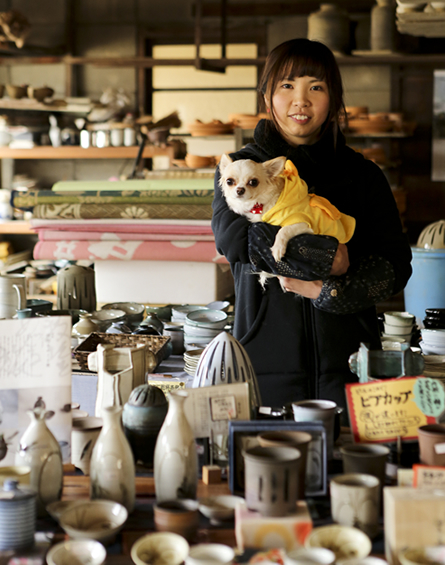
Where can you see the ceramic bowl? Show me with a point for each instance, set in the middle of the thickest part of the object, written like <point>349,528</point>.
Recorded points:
<point>104,318</point>
<point>100,520</point>
<point>177,516</point>
<point>310,556</point>
<point>16,91</point>
<point>161,548</point>
<point>403,319</point>
<point>345,541</point>
<point>403,331</point>
<point>78,552</point>
<point>370,560</point>
<point>219,508</point>
<point>207,318</point>
<point>20,473</point>
<point>134,312</point>
<point>38,305</point>
<point>40,94</point>
<point>223,305</point>
<point>57,508</point>
<point>427,555</point>
<point>164,313</point>
<point>198,161</point>
<point>438,6</point>
<point>73,313</point>
<point>215,553</point>
<point>180,312</point>
<point>433,337</point>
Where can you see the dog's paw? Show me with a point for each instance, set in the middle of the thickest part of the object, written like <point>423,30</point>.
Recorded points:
<point>278,249</point>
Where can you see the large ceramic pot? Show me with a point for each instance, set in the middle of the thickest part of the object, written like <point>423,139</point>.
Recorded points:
<point>383,26</point>
<point>142,418</point>
<point>76,288</point>
<point>330,25</point>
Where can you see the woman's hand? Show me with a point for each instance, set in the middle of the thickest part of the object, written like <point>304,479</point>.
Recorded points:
<point>340,263</point>
<point>308,289</point>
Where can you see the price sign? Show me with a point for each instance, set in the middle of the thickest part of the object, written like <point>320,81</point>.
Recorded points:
<point>383,411</point>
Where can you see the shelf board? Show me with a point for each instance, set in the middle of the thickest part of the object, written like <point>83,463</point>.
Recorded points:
<point>16,227</point>
<point>76,152</point>
<point>29,104</point>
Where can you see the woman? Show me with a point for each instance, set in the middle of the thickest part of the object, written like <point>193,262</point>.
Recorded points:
<point>300,341</point>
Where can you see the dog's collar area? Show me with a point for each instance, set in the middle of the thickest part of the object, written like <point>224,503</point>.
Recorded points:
<point>257,209</point>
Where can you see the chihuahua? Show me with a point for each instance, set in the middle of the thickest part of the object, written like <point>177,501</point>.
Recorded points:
<point>274,192</point>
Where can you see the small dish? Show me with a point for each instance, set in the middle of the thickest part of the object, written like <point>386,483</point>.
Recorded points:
<point>161,548</point>
<point>219,508</point>
<point>346,542</point>
<point>99,520</point>
<point>223,305</point>
<point>78,552</point>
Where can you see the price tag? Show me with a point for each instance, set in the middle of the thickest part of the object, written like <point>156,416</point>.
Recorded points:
<point>382,411</point>
<point>223,408</point>
<point>429,395</point>
<point>439,448</point>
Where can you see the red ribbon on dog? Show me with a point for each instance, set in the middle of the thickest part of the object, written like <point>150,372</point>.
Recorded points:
<point>257,209</point>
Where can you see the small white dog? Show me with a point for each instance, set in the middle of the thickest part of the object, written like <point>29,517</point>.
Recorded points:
<point>274,192</point>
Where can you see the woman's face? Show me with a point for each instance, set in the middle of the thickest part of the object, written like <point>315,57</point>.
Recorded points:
<point>300,106</point>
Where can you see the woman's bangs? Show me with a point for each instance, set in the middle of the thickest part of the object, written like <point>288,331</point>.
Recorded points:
<point>302,66</point>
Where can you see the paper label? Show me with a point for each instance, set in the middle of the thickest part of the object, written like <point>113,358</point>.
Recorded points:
<point>223,408</point>
<point>429,395</point>
<point>385,410</point>
<point>428,476</point>
<point>439,448</point>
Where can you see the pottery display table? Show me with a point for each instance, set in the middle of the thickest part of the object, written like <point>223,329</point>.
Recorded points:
<point>140,521</point>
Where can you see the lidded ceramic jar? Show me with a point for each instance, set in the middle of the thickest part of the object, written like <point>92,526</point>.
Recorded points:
<point>330,25</point>
<point>383,26</point>
<point>142,418</point>
<point>17,516</point>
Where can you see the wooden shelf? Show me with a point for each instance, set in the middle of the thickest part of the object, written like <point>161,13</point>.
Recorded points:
<point>76,152</point>
<point>16,227</point>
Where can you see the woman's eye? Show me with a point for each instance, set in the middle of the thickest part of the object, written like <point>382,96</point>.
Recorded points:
<point>253,183</point>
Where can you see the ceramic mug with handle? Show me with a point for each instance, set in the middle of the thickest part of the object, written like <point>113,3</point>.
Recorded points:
<point>12,294</point>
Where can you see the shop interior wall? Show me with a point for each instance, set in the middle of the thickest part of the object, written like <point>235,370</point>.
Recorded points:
<point>110,28</point>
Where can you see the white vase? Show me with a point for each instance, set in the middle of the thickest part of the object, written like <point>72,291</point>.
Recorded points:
<point>39,450</point>
<point>175,457</point>
<point>112,470</point>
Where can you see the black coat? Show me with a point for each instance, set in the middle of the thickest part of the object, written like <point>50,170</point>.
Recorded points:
<point>299,347</point>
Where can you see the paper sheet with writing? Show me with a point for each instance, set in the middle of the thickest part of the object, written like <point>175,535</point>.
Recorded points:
<point>382,411</point>
<point>209,409</point>
<point>35,364</point>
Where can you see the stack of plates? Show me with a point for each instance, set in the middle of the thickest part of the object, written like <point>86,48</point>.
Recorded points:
<point>191,360</point>
<point>434,366</point>
<point>434,318</point>
<point>201,326</point>
<point>433,342</point>
<point>398,325</point>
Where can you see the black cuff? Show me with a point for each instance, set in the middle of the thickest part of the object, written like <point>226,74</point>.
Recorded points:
<point>308,257</point>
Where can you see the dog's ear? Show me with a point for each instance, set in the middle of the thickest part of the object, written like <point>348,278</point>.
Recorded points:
<point>224,162</point>
<point>275,166</point>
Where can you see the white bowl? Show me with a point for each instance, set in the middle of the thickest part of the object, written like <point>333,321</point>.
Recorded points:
<point>215,553</point>
<point>100,520</point>
<point>180,312</point>
<point>104,318</point>
<point>428,349</point>
<point>133,310</point>
<point>433,337</point>
<point>207,318</point>
<point>438,6</point>
<point>78,552</point>
<point>57,508</point>
<point>219,508</point>
<point>423,555</point>
<point>309,556</point>
<point>404,319</point>
<point>201,331</point>
<point>160,548</point>
<point>223,305</point>
<point>345,541</point>
<point>404,331</point>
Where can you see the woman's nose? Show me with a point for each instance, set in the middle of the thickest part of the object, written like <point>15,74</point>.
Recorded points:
<point>300,99</point>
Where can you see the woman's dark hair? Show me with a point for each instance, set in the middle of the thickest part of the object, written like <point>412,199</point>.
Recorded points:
<point>303,57</point>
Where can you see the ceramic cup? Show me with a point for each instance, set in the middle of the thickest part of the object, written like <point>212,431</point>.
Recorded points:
<point>177,516</point>
<point>290,438</point>
<point>355,501</point>
<point>210,554</point>
<point>310,556</point>
<point>318,410</point>
<point>12,295</point>
<point>368,458</point>
<point>84,435</point>
<point>271,479</point>
<point>432,444</point>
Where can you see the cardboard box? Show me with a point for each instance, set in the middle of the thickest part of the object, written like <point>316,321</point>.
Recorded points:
<point>413,517</point>
<point>252,530</point>
<point>162,282</point>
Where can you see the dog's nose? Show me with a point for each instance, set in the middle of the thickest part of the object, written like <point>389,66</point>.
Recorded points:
<point>240,190</point>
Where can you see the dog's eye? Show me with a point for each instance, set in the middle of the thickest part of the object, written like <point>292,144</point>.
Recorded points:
<point>230,182</point>
<point>254,183</point>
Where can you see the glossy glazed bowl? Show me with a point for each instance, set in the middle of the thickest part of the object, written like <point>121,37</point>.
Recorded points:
<point>219,508</point>
<point>345,541</point>
<point>104,318</point>
<point>77,552</point>
<point>134,312</point>
<point>161,548</point>
<point>99,520</point>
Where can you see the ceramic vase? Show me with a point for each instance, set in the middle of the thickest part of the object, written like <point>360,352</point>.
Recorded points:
<point>383,26</point>
<point>85,326</point>
<point>142,418</point>
<point>330,25</point>
<point>175,458</point>
<point>112,470</point>
<point>76,288</point>
<point>39,450</point>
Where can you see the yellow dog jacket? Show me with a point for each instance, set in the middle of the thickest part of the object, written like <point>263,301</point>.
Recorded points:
<point>295,206</point>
